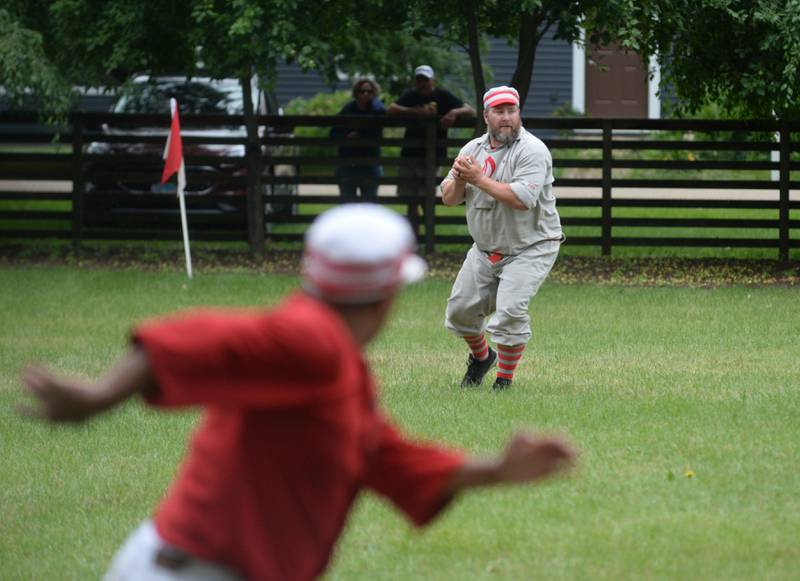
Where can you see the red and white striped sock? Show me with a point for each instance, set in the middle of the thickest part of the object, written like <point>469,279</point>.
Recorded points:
<point>508,357</point>
<point>478,346</point>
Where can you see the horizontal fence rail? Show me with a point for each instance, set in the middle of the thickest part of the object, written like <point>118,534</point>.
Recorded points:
<point>620,182</point>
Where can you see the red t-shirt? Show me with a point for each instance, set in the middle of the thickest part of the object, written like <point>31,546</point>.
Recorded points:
<point>291,433</point>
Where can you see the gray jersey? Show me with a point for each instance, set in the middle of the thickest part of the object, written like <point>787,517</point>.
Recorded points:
<point>526,165</point>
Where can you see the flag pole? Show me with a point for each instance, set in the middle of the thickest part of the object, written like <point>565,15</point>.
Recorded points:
<point>173,156</point>
<point>184,226</point>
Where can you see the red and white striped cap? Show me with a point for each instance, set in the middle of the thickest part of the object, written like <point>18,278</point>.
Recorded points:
<point>500,96</point>
<point>360,253</point>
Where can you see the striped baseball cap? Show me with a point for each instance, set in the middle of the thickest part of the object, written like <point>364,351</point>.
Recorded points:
<point>360,253</point>
<point>500,96</point>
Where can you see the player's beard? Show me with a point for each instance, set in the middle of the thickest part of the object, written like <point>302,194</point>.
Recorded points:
<point>504,138</point>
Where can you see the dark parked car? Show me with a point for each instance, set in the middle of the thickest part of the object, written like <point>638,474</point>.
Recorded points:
<point>131,161</point>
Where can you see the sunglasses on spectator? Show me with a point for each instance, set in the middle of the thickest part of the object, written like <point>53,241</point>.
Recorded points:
<point>366,91</point>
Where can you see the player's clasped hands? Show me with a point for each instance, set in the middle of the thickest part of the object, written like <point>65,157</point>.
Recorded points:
<point>466,169</point>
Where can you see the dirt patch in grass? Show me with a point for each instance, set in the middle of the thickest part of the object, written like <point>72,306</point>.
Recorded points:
<point>693,272</point>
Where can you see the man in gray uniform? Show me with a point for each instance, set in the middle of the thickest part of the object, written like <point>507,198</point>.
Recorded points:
<point>506,179</point>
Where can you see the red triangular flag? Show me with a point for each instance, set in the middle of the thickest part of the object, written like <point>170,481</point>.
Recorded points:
<point>173,153</point>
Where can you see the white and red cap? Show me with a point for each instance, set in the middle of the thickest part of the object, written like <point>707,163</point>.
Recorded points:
<point>360,253</point>
<point>500,96</point>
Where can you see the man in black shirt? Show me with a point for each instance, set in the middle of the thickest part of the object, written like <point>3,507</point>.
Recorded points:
<point>425,100</point>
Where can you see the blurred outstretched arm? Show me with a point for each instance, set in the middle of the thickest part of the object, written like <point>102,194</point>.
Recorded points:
<point>58,398</point>
<point>526,458</point>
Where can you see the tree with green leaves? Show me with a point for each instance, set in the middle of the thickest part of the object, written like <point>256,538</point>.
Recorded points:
<point>466,24</point>
<point>117,39</point>
<point>743,55</point>
<point>25,68</point>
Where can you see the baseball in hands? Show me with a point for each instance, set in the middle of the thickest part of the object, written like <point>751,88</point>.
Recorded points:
<point>467,161</point>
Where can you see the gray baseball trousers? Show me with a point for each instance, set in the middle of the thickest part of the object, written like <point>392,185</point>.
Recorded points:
<point>505,289</point>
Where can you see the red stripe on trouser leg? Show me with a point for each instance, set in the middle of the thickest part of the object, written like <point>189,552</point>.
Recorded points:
<point>508,357</point>
<point>478,346</point>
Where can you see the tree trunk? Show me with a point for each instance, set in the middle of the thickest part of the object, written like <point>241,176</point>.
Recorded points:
<point>529,37</point>
<point>255,197</point>
<point>474,51</point>
<point>249,112</point>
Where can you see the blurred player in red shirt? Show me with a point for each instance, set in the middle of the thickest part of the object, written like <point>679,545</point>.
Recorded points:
<point>291,431</point>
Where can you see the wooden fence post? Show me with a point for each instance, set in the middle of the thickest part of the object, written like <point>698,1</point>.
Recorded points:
<point>255,201</point>
<point>77,179</point>
<point>430,175</point>
<point>258,188</point>
<point>783,204</point>
<point>605,202</point>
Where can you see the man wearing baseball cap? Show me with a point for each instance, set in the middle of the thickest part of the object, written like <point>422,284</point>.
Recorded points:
<point>424,100</point>
<point>505,178</point>
<point>291,431</point>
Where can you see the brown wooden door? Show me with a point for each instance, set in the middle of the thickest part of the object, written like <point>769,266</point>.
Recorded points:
<point>616,83</point>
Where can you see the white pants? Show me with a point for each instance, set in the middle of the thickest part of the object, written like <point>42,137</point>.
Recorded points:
<point>136,561</point>
<point>505,288</point>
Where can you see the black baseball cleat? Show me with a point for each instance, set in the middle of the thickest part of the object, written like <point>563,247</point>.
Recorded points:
<point>501,383</point>
<point>477,369</point>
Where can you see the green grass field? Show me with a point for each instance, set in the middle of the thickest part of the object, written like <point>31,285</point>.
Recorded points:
<point>654,385</point>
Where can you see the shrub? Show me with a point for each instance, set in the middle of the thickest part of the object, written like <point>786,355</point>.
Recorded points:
<point>319,104</point>
<point>330,104</point>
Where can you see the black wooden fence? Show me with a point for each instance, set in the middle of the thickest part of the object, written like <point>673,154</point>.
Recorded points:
<point>100,179</point>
